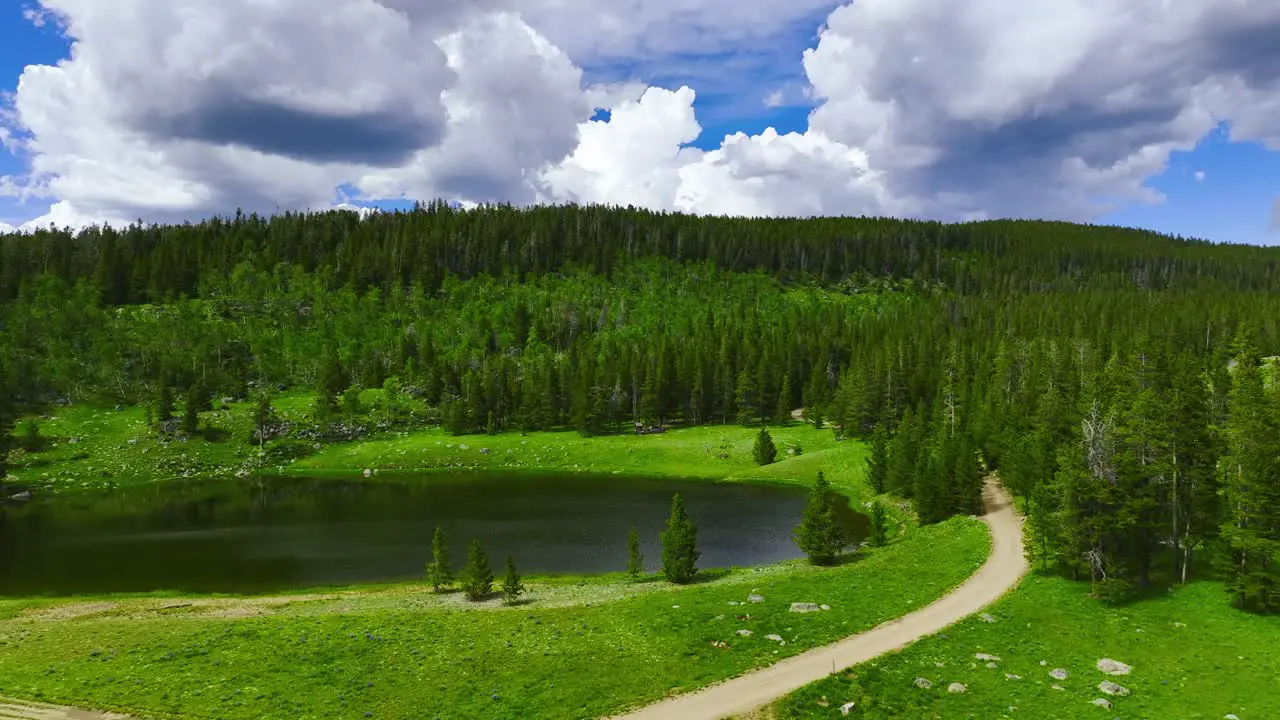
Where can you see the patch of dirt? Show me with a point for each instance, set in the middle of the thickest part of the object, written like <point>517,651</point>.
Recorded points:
<point>26,710</point>
<point>70,611</point>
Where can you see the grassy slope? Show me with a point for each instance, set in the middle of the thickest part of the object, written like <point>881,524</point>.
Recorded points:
<point>405,659</point>
<point>1217,661</point>
<point>91,447</point>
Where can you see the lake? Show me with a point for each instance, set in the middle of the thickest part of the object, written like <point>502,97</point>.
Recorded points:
<point>262,535</point>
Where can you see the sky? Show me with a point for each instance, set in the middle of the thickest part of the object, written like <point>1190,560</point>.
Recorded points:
<point>1146,113</point>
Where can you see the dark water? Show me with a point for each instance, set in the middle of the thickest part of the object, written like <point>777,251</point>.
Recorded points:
<point>264,535</point>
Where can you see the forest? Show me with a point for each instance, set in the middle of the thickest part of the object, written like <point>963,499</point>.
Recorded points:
<point>1120,382</point>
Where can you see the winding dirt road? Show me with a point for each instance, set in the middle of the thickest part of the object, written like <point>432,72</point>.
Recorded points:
<point>999,574</point>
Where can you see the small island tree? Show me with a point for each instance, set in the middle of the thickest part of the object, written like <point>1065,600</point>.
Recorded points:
<point>439,573</point>
<point>679,545</point>
<point>819,533</point>
<point>635,560</point>
<point>512,587</point>
<point>477,578</point>
<point>764,451</point>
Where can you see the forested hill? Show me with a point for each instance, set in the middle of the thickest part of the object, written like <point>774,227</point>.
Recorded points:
<point>1114,377</point>
<point>141,264</point>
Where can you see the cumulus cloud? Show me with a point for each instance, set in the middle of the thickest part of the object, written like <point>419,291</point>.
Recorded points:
<point>172,109</point>
<point>1199,176</point>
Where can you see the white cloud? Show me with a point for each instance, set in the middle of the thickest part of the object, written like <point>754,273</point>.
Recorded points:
<point>172,109</point>
<point>7,228</point>
<point>1199,176</point>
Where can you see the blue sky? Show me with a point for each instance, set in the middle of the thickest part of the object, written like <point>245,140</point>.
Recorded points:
<point>1221,190</point>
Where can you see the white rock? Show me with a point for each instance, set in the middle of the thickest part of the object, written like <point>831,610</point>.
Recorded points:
<point>776,638</point>
<point>986,617</point>
<point>368,472</point>
<point>1057,687</point>
<point>753,598</point>
<point>825,607</point>
<point>957,688</point>
<point>1011,676</point>
<point>1230,716</point>
<point>992,665</point>
<point>1111,688</point>
<point>984,656</point>
<point>1113,667</point>
<point>845,708</point>
<point>1103,703</point>
<point>923,684</point>
<point>744,633</point>
<point>1058,674</point>
<point>804,607</point>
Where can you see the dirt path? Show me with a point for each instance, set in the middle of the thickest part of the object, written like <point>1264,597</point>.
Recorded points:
<point>747,692</point>
<point>25,710</point>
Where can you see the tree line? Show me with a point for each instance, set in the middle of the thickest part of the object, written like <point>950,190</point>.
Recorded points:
<point>1117,380</point>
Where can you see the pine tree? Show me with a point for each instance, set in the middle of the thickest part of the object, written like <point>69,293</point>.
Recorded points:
<point>477,577</point>
<point>191,410</point>
<point>164,402</point>
<point>635,560</point>
<point>263,418</point>
<point>1251,480</point>
<point>331,379</point>
<point>819,534</point>
<point>745,396</point>
<point>512,587</point>
<point>879,525</point>
<point>782,414</point>
<point>439,571</point>
<point>763,450</point>
<point>878,459</point>
<point>680,545</point>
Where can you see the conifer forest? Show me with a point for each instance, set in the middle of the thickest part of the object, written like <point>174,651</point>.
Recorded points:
<point>1120,382</point>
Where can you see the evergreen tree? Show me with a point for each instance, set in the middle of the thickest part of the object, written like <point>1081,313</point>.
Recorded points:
<point>263,418</point>
<point>477,577</point>
<point>512,587</point>
<point>331,379</point>
<point>879,525</point>
<point>191,410</point>
<point>763,451</point>
<point>782,414</point>
<point>1251,481</point>
<point>439,571</point>
<point>635,560</point>
<point>746,398</point>
<point>819,533</point>
<point>878,459</point>
<point>164,402</point>
<point>679,545</point>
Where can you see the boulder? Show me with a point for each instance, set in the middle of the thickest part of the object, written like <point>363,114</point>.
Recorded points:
<point>775,638</point>
<point>845,708</point>
<point>805,607</point>
<point>1010,676</point>
<point>957,688</point>
<point>753,598</point>
<point>1111,688</point>
<point>744,633</point>
<point>923,684</point>
<point>984,656</point>
<point>1103,703</point>
<point>1113,667</point>
<point>992,666</point>
<point>1058,674</point>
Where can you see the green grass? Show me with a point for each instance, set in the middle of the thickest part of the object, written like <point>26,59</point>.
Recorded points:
<point>1193,656</point>
<point>89,448</point>
<point>401,655</point>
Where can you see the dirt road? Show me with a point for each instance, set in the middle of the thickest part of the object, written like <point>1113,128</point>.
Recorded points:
<point>26,710</point>
<point>747,692</point>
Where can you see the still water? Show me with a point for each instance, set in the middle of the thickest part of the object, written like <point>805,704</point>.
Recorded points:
<point>277,533</point>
